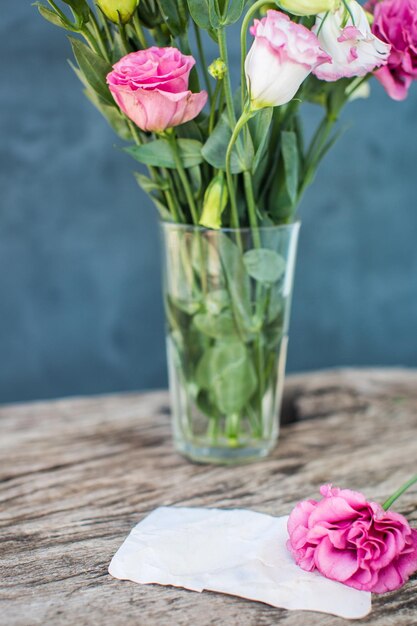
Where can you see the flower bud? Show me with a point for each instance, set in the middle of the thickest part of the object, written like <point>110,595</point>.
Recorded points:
<point>217,69</point>
<point>112,9</point>
<point>309,7</point>
<point>215,201</point>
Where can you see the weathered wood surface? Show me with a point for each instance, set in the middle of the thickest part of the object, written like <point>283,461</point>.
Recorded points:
<point>77,474</point>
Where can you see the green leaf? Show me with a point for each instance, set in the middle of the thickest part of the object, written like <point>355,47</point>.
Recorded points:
<point>205,258</point>
<point>163,211</point>
<point>181,285</point>
<point>190,130</point>
<point>149,187</point>
<point>330,144</point>
<point>203,370</point>
<point>266,266</point>
<point>259,127</point>
<point>206,405</point>
<point>216,301</point>
<point>159,154</point>
<point>227,371</point>
<point>289,152</point>
<point>214,14</point>
<point>238,282</point>
<point>81,8</point>
<point>216,326</point>
<point>173,17</point>
<point>199,10</point>
<point>118,48</point>
<point>54,18</point>
<point>94,69</point>
<point>233,11</point>
<point>146,183</point>
<point>196,179</point>
<point>215,148</point>
<point>149,14</point>
<point>276,306</point>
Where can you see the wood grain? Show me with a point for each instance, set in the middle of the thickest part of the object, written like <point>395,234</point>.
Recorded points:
<point>77,474</point>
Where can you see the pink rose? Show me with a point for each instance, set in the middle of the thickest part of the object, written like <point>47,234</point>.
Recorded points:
<point>354,49</point>
<point>280,59</point>
<point>395,21</point>
<point>151,88</point>
<point>353,541</point>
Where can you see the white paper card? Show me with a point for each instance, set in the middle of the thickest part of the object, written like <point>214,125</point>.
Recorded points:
<point>237,552</point>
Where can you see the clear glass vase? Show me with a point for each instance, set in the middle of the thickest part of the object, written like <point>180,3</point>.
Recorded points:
<point>227,297</point>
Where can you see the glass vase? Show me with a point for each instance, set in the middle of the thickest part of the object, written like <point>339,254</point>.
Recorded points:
<point>227,297</point>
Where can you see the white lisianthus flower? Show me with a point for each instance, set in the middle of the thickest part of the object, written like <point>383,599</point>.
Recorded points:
<point>354,50</point>
<point>280,59</point>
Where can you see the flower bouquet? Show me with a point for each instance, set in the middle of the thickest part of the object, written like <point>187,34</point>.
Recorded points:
<point>227,167</point>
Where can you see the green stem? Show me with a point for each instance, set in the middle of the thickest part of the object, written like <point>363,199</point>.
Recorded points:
<point>100,39</point>
<point>399,492</point>
<point>190,199</point>
<point>250,199</point>
<point>203,60</point>
<point>232,428</point>
<point>183,12</point>
<point>227,85</point>
<point>183,176</point>
<point>126,46</point>
<point>212,120</point>
<point>89,37</point>
<point>171,205</point>
<point>281,118</point>
<point>135,133</point>
<point>103,20</point>
<point>319,137</point>
<point>228,96</point>
<point>171,197</point>
<point>243,34</point>
<point>313,154</point>
<point>260,357</point>
<point>168,193</point>
<point>235,134</point>
<point>139,31</point>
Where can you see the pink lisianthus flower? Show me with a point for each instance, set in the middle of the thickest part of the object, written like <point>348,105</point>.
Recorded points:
<point>348,539</point>
<point>280,59</point>
<point>354,49</point>
<point>395,21</point>
<point>151,88</point>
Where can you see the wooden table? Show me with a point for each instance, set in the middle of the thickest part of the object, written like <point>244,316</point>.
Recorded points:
<point>77,474</point>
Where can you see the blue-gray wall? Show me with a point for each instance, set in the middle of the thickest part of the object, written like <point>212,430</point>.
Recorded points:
<point>80,305</point>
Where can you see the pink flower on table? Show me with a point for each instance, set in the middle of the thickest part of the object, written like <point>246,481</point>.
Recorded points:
<point>353,49</point>
<point>348,539</point>
<point>151,88</point>
<point>395,21</point>
<point>280,59</point>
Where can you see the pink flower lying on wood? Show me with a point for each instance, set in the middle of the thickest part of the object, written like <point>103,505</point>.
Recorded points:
<point>151,88</point>
<point>395,21</point>
<point>348,539</point>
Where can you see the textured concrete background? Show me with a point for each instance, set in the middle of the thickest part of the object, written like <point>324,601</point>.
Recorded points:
<point>80,306</point>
